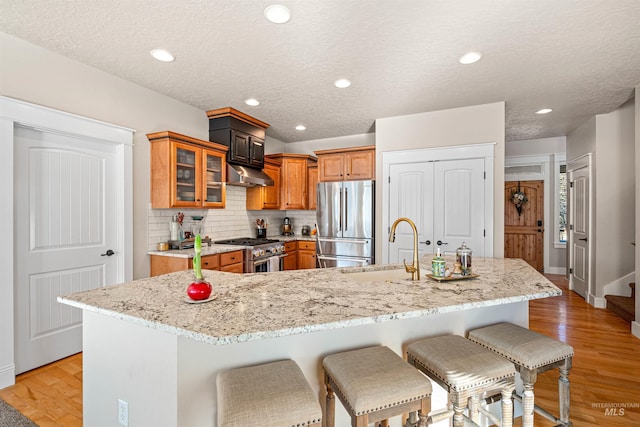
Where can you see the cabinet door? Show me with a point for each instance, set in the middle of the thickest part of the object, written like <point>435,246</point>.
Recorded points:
<point>290,261</point>
<point>213,179</point>
<point>185,176</point>
<point>312,184</point>
<point>306,259</point>
<point>294,188</point>
<point>240,148</point>
<point>360,165</point>
<point>257,152</point>
<point>331,167</point>
<point>271,194</point>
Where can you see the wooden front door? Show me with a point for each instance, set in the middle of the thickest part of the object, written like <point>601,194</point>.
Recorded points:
<point>524,230</point>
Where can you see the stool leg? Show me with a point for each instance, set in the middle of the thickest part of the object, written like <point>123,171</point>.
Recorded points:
<point>564,392</point>
<point>474,413</point>
<point>507,407</point>
<point>330,406</point>
<point>458,409</point>
<point>527,405</point>
<point>424,411</point>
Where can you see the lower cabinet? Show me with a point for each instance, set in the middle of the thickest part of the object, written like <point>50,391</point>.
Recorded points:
<point>290,261</point>
<point>228,261</point>
<point>306,256</point>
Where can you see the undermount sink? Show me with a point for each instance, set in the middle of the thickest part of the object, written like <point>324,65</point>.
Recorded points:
<point>380,276</point>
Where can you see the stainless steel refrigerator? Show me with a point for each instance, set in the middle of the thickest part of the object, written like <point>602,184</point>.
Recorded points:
<point>345,223</point>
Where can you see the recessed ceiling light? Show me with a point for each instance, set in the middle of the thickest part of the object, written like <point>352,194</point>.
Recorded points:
<point>470,58</point>
<point>342,83</point>
<point>301,127</point>
<point>277,14</point>
<point>544,111</point>
<point>252,102</point>
<point>162,55</point>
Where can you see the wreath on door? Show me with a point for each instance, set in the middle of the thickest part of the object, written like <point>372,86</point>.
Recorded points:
<point>519,198</point>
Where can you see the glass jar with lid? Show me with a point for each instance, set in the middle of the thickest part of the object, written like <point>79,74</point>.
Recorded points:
<point>463,256</point>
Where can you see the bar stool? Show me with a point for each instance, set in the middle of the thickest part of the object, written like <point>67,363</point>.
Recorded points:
<point>270,395</point>
<point>467,371</point>
<point>532,353</point>
<point>374,384</point>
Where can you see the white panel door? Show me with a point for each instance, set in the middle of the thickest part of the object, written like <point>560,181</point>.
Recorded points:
<point>459,205</point>
<point>411,196</point>
<point>579,235</point>
<point>66,224</point>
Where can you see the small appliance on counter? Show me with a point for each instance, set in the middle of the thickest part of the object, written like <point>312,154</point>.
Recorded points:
<point>305,230</point>
<point>287,227</point>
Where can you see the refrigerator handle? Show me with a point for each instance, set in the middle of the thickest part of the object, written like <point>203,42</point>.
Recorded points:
<point>346,209</point>
<point>340,222</point>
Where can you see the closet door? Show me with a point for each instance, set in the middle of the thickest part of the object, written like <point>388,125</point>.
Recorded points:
<point>459,203</point>
<point>411,196</point>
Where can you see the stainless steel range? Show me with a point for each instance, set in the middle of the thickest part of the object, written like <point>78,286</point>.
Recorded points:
<point>258,253</point>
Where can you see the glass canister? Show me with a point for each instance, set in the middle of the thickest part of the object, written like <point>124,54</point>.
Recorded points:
<point>463,256</point>
<point>438,265</point>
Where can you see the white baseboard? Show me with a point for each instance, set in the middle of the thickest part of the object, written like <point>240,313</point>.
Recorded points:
<point>597,302</point>
<point>557,270</point>
<point>635,328</point>
<point>7,376</point>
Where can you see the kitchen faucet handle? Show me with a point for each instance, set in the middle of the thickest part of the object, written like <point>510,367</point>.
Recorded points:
<point>407,268</point>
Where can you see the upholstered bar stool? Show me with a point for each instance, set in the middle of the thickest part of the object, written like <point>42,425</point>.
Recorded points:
<point>270,395</point>
<point>532,353</point>
<point>374,384</point>
<point>468,372</point>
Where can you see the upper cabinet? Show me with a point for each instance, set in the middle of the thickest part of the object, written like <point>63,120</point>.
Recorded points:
<point>347,164</point>
<point>266,197</point>
<point>186,172</point>
<point>243,134</point>
<point>312,184</point>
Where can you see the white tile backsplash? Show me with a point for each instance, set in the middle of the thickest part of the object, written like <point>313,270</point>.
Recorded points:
<point>233,221</point>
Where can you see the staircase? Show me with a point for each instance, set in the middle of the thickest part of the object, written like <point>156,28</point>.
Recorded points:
<point>624,307</point>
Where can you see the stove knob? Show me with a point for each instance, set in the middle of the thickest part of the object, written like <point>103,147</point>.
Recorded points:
<point>261,252</point>
<point>256,253</point>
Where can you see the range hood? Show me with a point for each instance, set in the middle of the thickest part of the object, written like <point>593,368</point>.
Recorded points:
<point>247,177</point>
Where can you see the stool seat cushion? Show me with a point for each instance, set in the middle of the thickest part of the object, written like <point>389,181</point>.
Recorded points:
<point>273,394</point>
<point>460,363</point>
<point>522,346</point>
<point>375,378</point>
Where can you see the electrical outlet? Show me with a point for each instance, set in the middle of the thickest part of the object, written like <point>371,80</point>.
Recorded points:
<point>123,413</point>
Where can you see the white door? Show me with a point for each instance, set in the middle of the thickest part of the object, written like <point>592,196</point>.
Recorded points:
<point>66,224</point>
<point>459,205</point>
<point>579,230</point>
<point>410,196</point>
<point>446,201</point>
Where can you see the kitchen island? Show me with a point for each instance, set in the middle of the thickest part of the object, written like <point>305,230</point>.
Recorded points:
<point>144,344</point>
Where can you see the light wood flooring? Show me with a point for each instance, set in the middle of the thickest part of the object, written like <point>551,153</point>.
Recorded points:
<point>606,370</point>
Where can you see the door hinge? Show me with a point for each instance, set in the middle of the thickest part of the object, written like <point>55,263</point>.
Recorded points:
<point>571,184</point>
<point>485,175</point>
<point>571,271</point>
<point>389,180</point>
<point>484,233</point>
<point>571,227</point>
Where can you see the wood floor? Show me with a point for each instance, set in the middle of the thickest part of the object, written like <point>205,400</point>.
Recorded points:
<point>606,370</point>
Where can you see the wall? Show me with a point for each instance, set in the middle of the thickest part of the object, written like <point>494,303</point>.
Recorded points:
<point>635,326</point>
<point>611,138</point>
<point>544,147</point>
<point>458,126</point>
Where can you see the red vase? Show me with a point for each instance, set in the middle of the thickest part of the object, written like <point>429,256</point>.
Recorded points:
<point>199,290</point>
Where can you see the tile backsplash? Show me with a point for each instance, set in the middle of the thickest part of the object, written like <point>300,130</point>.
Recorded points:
<point>233,221</point>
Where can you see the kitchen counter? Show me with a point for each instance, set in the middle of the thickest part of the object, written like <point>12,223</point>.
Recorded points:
<point>218,249</point>
<point>301,314</point>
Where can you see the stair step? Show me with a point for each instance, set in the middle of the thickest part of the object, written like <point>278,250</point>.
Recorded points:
<point>624,307</point>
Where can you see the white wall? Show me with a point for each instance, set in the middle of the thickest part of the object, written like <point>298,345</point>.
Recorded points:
<point>309,146</point>
<point>459,126</point>
<point>635,327</point>
<point>545,147</point>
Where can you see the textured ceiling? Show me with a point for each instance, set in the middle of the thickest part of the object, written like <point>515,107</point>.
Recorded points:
<point>579,58</point>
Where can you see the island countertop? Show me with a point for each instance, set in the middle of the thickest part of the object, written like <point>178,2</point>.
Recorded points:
<point>264,305</point>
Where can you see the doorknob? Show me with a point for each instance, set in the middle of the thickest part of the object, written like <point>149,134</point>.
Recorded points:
<point>440,242</point>
<point>427,242</point>
<point>584,239</point>
<point>539,230</point>
<point>108,253</point>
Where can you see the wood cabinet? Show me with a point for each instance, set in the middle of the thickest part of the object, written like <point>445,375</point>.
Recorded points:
<point>312,184</point>
<point>291,260</point>
<point>186,172</point>
<point>266,197</point>
<point>228,261</point>
<point>306,257</point>
<point>347,164</point>
<point>290,190</point>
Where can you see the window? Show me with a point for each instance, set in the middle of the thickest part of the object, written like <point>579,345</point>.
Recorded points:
<point>560,200</point>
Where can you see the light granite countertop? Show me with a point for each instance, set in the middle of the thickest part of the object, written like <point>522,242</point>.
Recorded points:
<point>218,249</point>
<point>263,305</point>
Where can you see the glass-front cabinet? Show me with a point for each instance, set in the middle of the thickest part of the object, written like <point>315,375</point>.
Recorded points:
<point>186,172</point>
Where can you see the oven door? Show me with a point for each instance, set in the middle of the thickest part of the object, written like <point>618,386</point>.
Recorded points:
<point>264,265</point>
<point>329,261</point>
